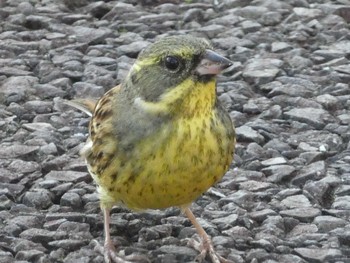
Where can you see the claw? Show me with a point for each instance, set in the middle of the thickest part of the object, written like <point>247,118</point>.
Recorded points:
<point>204,246</point>
<point>109,251</point>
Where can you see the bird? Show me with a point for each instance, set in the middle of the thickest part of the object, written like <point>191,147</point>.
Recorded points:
<point>161,138</point>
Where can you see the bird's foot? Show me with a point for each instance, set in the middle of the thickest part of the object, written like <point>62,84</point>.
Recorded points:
<point>206,248</point>
<point>111,256</point>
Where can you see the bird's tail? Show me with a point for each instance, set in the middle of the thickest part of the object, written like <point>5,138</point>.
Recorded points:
<point>85,105</point>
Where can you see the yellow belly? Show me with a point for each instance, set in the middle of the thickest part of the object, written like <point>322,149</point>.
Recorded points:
<point>171,168</point>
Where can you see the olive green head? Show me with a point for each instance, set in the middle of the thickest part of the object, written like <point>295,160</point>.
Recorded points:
<point>170,61</point>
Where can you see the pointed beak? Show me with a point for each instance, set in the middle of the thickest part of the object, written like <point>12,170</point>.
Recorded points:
<point>212,63</point>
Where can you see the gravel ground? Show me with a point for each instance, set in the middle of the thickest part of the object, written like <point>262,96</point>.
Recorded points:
<point>286,197</point>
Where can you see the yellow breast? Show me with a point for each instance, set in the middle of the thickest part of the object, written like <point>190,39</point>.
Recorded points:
<point>176,164</point>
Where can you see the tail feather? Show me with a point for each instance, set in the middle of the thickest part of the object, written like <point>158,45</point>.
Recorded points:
<point>85,105</point>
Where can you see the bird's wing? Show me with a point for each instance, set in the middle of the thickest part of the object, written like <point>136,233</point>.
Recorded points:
<point>102,144</point>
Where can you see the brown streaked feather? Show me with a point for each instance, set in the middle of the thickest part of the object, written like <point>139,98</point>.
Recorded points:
<point>103,141</point>
<point>101,144</point>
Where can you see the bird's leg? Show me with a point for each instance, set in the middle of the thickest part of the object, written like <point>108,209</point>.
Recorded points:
<point>205,247</point>
<point>108,250</point>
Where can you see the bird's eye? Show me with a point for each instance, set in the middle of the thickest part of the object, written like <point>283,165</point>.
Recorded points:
<point>172,63</point>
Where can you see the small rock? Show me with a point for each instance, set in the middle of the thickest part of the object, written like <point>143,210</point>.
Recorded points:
<point>246,133</point>
<point>61,188</point>
<point>318,254</point>
<point>38,106</point>
<point>261,71</point>
<point>70,216</point>
<point>29,255</point>
<point>71,199</point>
<point>19,166</point>
<point>302,229</point>
<point>17,150</point>
<point>255,186</point>
<point>314,117</point>
<point>23,245</point>
<point>328,101</point>
<point>304,214</point>
<point>270,18</point>
<point>90,35</point>
<point>38,126</point>
<point>280,47</point>
<point>251,11</point>
<point>310,172</point>
<point>328,223</point>
<point>211,31</point>
<point>278,173</point>
<point>68,176</point>
<point>307,12</point>
<point>26,222</point>
<point>274,161</point>
<point>261,215</point>
<point>54,224</point>
<point>257,255</point>
<point>68,244</point>
<point>296,201</point>
<point>12,189</point>
<point>49,149</point>
<point>180,252</point>
<point>320,191</point>
<point>250,26</point>
<point>341,46</point>
<point>40,199</point>
<point>226,222</point>
<point>342,203</point>
<point>42,236</point>
<point>132,49</point>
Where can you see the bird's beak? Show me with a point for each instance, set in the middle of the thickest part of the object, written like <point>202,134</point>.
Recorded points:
<point>212,63</point>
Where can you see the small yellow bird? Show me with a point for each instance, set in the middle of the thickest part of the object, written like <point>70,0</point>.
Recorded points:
<point>161,138</point>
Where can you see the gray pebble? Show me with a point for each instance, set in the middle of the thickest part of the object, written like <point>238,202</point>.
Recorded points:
<point>341,202</point>
<point>246,133</point>
<point>70,216</point>
<point>278,173</point>
<point>68,176</point>
<point>38,106</point>
<point>71,199</point>
<point>261,215</point>
<point>40,199</point>
<point>309,172</point>
<point>261,71</point>
<point>178,251</point>
<point>133,49</point>
<point>318,254</point>
<point>42,236</point>
<point>68,244</point>
<point>30,255</point>
<point>328,223</point>
<point>302,214</point>
<point>296,201</point>
<point>302,229</point>
<point>83,90</point>
<point>311,116</point>
<point>17,150</point>
<point>90,35</point>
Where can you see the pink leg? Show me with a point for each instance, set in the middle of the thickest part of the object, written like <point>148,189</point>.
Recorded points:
<point>108,250</point>
<point>205,247</point>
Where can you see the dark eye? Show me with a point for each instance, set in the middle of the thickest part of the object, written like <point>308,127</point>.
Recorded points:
<point>172,63</point>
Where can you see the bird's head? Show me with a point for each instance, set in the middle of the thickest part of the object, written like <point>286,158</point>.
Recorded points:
<point>175,65</point>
